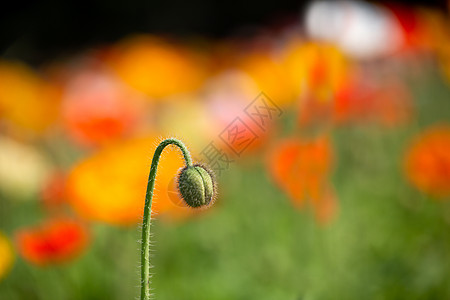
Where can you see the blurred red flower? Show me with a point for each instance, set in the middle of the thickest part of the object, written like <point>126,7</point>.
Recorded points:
<point>427,161</point>
<point>301,168</point>
<point>55,241</point>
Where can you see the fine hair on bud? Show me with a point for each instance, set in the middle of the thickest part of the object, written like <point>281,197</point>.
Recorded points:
<point>197,185</point>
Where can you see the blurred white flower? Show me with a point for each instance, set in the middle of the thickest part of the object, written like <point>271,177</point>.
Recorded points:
<point>361,29</point>
<point>23,169</point>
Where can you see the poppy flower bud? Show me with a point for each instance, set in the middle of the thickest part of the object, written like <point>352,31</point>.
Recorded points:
<point>197,185</point>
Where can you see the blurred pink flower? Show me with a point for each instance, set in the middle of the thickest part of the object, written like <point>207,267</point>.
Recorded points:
<point>98,109</point>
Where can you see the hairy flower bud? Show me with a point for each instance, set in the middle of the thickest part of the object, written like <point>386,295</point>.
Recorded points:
<point>197,185</point>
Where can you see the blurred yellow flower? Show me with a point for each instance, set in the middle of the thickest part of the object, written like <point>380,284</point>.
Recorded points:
<point>6,255</point>
<point>156,67</point>
<point>315,69</point>
<point>26,100</point>
<point>110,186</point>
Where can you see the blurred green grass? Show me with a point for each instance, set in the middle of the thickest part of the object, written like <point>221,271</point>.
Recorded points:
<point>387,242</point>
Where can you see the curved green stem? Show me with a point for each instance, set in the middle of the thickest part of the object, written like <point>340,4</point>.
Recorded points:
<point>145,251</point>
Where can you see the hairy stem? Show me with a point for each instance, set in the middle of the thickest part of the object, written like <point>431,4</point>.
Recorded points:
<point>145,251</point>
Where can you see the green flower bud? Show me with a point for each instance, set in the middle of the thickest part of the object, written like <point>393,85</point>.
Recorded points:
<point>197,185</point>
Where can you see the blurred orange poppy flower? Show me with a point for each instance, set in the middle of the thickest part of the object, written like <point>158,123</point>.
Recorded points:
<point>54,241</point>
<point>27,101</point>
<point>427,161</point>
<point>269,76</point>
<point>156,67</point>
<point>313,69</point>
<point>301,168</point>
<point>110,185</point>
<point>6,255</point>
<point>98,108</point>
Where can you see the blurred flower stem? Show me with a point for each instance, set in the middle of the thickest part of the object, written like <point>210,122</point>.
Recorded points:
<point>145,252</point>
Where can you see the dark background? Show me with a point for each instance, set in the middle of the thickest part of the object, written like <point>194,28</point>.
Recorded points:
<point>35,31</point>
